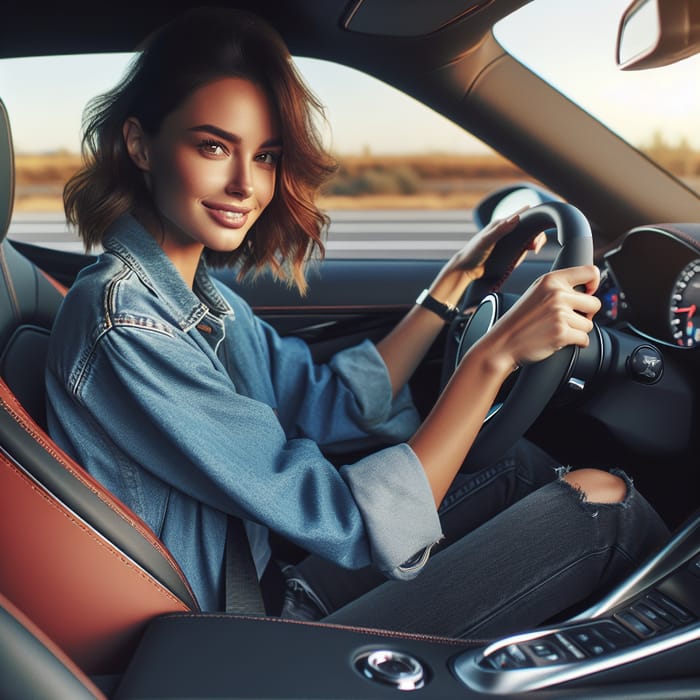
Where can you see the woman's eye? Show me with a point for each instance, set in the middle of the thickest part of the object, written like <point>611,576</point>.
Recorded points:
<point>212,148</point>
<point>268,158</point>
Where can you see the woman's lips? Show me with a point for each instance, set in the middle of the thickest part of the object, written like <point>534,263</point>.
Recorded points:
<point>227,216</point>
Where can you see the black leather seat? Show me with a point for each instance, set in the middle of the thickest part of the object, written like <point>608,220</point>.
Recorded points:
<point>74,559</point>
<point>28,305</point>
<point>28,300</point>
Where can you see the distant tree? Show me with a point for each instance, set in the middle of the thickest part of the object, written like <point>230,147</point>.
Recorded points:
<point>680,160</point>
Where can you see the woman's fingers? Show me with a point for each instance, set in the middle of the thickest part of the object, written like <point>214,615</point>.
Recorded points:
<point>498,228</point>
<point>538,242</point>
<point>586,275</point>
<point>584,305</point>
<point>576,330</point>
<point>571,310</point>
<point>551,315</point>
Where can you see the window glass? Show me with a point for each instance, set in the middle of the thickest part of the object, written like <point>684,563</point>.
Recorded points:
<point>406,182</point>
<point>572,46</point>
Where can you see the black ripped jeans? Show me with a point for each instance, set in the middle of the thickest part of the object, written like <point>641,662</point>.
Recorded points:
<point>520,547</point>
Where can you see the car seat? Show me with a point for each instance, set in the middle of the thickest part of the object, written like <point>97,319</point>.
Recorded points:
<point>32,666</point>
<point>73,558</point>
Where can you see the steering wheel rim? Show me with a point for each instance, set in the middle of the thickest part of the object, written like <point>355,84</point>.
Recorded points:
<point>536,383</point>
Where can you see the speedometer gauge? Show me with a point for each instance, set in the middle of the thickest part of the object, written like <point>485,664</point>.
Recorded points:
<point>685,306</point>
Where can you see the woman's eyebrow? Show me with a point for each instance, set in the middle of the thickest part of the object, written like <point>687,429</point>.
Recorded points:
<point>232,138</point>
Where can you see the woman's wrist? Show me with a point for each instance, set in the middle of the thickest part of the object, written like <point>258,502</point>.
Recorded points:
<point>447,312</point>
<point>451,291</point>
<point>493,357</point>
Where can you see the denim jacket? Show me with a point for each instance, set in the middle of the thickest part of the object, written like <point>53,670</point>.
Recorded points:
<point>188,407</point>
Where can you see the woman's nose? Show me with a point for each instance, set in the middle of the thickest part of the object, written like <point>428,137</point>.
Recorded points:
<point>241,189</point>
<point>240,184</point>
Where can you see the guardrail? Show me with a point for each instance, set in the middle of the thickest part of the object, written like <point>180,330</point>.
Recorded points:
<point>432,234</point>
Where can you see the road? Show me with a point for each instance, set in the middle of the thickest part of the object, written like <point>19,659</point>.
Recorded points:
<point>353,234</point>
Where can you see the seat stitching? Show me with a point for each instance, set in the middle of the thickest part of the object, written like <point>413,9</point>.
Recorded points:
<point>447,641</point>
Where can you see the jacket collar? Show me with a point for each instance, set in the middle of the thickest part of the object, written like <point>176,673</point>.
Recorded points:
<point>128,240</point>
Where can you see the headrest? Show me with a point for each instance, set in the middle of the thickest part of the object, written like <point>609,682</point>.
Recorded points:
<point>7,172</point>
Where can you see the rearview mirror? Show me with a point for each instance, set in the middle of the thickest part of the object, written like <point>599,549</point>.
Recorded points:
<point>658,32</point>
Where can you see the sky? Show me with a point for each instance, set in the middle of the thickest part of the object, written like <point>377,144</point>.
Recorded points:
<point>634,103</point>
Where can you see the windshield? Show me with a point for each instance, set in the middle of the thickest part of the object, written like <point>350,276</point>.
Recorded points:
<point>571,45</point>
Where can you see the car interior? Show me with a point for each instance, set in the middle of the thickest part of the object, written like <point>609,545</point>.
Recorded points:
<point>93,605</point>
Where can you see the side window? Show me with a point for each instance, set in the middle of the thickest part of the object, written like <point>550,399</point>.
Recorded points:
<point>408,177</point>
<point>45,97</point>
<point>405,186</point>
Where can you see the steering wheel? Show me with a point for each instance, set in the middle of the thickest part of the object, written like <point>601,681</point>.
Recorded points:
<point>536,383</point>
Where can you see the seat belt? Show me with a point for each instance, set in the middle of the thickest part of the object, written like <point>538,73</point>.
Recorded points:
<point>243,594</point>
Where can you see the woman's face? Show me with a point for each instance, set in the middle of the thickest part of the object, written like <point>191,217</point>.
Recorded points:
<point>211,168</point>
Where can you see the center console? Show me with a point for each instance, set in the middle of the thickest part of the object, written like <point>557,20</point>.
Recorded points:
<point>640,641</point>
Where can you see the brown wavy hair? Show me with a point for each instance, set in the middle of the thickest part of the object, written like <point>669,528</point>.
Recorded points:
<point>197,47</point>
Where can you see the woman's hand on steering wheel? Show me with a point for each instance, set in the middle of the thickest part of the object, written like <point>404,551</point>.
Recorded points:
<point>557,310</point>
<point>467,264</point>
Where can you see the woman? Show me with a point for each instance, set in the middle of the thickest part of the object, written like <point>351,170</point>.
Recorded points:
<point>189,408</point>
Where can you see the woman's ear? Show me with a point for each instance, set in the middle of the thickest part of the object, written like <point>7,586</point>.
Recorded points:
<point>136,143</point>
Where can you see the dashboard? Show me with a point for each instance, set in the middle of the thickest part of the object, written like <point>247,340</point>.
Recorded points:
<point>650,282</point>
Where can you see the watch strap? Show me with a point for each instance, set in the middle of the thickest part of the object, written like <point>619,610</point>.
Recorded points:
<point>445,311</point>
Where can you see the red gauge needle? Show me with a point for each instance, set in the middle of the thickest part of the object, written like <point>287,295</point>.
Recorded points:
<point>690,310</point>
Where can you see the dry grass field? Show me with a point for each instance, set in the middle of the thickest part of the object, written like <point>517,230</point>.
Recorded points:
<point>431,166</point>
<point>40,169</point>
<point>40,178</point>
<point>431,181</point>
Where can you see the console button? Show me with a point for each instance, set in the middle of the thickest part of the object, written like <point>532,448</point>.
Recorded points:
<point>590,642</point>
<point>393,668</point>
<point>546,651</point>
<point>646,612</point>
<point>645,364</point>
<point>510,657</point>
<point>517,654</point>
<point>669,606</point>
<point>502,660</point>
<point>571,648</point>
<point>634,623</point>
<point>694,566</point>
<point>660,611</point>
<point>616,635</point>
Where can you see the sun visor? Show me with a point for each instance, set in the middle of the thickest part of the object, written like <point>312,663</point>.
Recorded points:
<point>412,18</point>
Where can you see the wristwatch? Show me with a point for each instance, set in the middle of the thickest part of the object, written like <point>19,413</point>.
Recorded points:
<point>446,312</point>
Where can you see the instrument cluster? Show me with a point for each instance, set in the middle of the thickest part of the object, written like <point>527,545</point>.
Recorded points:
<point>651,282</point>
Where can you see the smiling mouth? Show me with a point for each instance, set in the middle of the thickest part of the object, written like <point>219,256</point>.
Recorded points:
<point>227,217</point>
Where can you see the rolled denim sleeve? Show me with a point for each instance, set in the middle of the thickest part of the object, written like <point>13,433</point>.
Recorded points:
<point>398,509</point>
<point>362,369</point>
